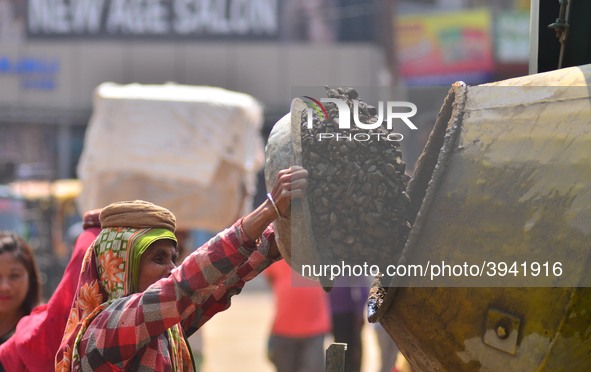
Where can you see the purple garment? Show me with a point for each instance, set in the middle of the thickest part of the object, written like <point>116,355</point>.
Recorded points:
<point>349,294</point>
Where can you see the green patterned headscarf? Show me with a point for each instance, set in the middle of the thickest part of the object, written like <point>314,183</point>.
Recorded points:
<point>117,265</point>
<point>110,271</point>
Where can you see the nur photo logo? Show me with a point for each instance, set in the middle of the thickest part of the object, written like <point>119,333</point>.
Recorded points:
<point>318,107</point>
<point>388,112</point>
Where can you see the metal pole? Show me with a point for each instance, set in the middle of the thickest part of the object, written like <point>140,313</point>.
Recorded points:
<point>335,357</point>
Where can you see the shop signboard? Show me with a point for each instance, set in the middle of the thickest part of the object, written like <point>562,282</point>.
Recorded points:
<point>216,20</point>
<point>202,19</point>
<point>443,47</point>
<point>512,37</point>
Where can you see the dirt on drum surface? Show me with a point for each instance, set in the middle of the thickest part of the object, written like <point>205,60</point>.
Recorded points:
<point>236,339</point>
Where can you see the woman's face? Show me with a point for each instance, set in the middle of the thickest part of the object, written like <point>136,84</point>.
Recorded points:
<point>156,263</point>
<point>14,284</point>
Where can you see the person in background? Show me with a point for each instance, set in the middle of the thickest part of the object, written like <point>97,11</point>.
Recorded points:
<point>348,299</point>
<point>38,335</point>
<point>134,308</point>
<point>302,320</point>
<point>20,289</point>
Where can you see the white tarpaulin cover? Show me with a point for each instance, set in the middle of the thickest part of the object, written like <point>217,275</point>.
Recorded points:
<point>195,150</point>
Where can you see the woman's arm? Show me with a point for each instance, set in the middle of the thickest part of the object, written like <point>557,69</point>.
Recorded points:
<point>290,183</point>
<point>200,287</point>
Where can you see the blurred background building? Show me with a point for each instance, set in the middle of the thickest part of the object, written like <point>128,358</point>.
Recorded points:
<point>54,53</point>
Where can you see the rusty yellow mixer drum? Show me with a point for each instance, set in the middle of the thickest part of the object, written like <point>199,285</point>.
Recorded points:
<point>502,193</point>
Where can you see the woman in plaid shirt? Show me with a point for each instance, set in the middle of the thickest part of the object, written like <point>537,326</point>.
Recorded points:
<point>134,309</point>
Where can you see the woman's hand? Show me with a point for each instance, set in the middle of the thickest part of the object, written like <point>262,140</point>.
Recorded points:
<point>290,183</point>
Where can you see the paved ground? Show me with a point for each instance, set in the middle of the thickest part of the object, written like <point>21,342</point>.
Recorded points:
<point>235,340</point>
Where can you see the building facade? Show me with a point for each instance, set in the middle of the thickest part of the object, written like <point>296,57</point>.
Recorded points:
<point>53,53</point>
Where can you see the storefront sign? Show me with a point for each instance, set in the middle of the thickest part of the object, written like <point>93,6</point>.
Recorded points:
<point>445,44</point>
<point>33,73</point>
<point>195,19</point>
<point>512,37</point>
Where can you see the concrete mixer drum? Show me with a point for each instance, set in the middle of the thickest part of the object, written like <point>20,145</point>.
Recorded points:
<point>505,177</point>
